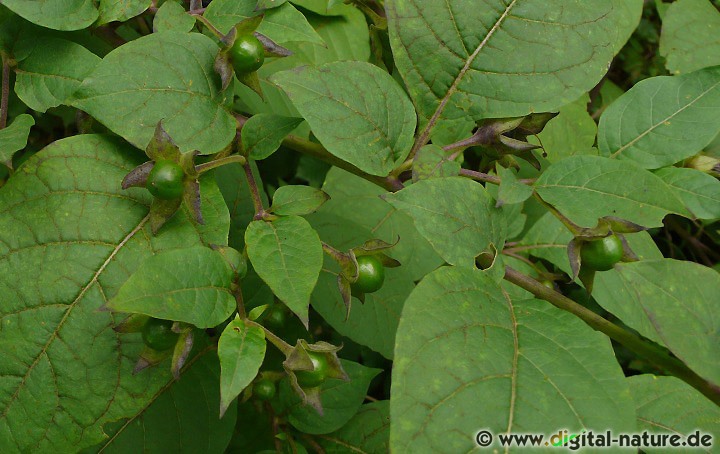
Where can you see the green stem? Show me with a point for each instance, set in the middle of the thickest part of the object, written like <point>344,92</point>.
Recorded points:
<point>254,192</point>
<point>202,168</point>
<point>5,91</point>
<point>280,344</point>
<point>574,228</point>
<point>646,350</point>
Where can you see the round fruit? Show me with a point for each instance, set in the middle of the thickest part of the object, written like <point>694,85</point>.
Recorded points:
<point>247,54</point>
<point>317,376</point>
<point>371,275</point>
<point>165,180</point>
<point>275,318</point>
<point>549,284</point>
<point>264,389</point>
<point>158,335</point>
<point>602,254</point>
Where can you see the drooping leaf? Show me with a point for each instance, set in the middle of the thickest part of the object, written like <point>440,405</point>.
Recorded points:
<point>262,134</point>
<point>671,302</point>
<point>282,24</point>
<point>667,404</point>
<point>56,14</point>
<point>241,350</point>
<point>340,400</point>
<point>166,76</point>
<point>181,418</point>
<point>297,200</point>
<point>456,215</point>
<point>287,255</point>
<point>663,120</point>
<point>504,58</point>
<point>367,431</point>
<point>467,358</point>
<point>699,191</point>
<point>356,110</point>
<point>197,292</point>
<point>686,28</point>
<point>50,69</point>
<point>585,188</point>
<point>14,137</point>
<point>80,237</point>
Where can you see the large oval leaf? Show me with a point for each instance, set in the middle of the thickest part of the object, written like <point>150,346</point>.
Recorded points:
<point>497,58</point>
<point>663,120</point>
<point>585,188</point>
<point>57,14</point>
<point>671,302</point>
<point>467,358</point>
<point>166,76</point>
<point>69,238</point>
<point>356,110</point>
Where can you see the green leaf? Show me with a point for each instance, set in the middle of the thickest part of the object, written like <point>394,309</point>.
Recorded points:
<point>287,255</point>
<point>262,134</point>
<point>456,215</point>
<point>699,191</point>
<point>671,302</point>
<point>49,70</point>
<point>367,431</point>
<point>241,350</point>
<point>504,58</point>
<point>685,40</point>
<point>172,16</point>
<point>297,200</point>
<point>196,292</point>
<point>79,237</point>
<point>340,400</point>
<point>667,404</point>
<point>269,4</point>
<point>585,188</point>
<point>234,186</point>
<point>467,357</point>
<point>14,137</point>
<point>282,24</point>
<point>321,7</point>
<point>56,14</point>
<point>120,10</point>
<point>663,120</point>
<point>165,76</point>
<point>511,190</point>
<point>571,133</point>
<point>181,418</point>
<point>356,110</point>
<point>431,161</point>
<point>353,215</point>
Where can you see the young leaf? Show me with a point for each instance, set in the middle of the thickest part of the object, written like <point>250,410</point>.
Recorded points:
<point>340,400</point>
<point>297,200</point>
<point>585,188</point>
<point>287,255</point>
<point>178,87</point>
<point>80,238</point>
<point>685,31</point>
<point>432,162</point>
<point>511,190</point>
<point>502,59</point>
<point>241,350</point>
<point>371,127</point>
<point>463,345</point>
<point>671,302</point>
<point>14,138</point>
<point>198,292</point>
<point>456,215</point>
<point>663,120</point>
<point>262,134</point>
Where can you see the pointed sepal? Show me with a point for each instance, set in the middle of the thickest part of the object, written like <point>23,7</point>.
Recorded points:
<point>161,211</point>
<point>181,351</point>
<point>133,324</point>
<point>161,146</point>
<point>137,178</point>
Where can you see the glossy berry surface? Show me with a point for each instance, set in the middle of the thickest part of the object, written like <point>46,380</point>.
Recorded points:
<point>165,180</point>
<point>602,254</point>
<point>158,335</point>
<point>264,389</point>
<point>317,376</point>
<point>371,275</point>
<point>247,54</point>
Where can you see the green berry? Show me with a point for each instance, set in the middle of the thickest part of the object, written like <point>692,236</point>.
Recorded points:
<point>317,376</point>
<point>247,54</point>
<point>158,334</point>
<point>264,389</point>
<point>371,275</point>
<point>602,254</point>
<point>165,180</point>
